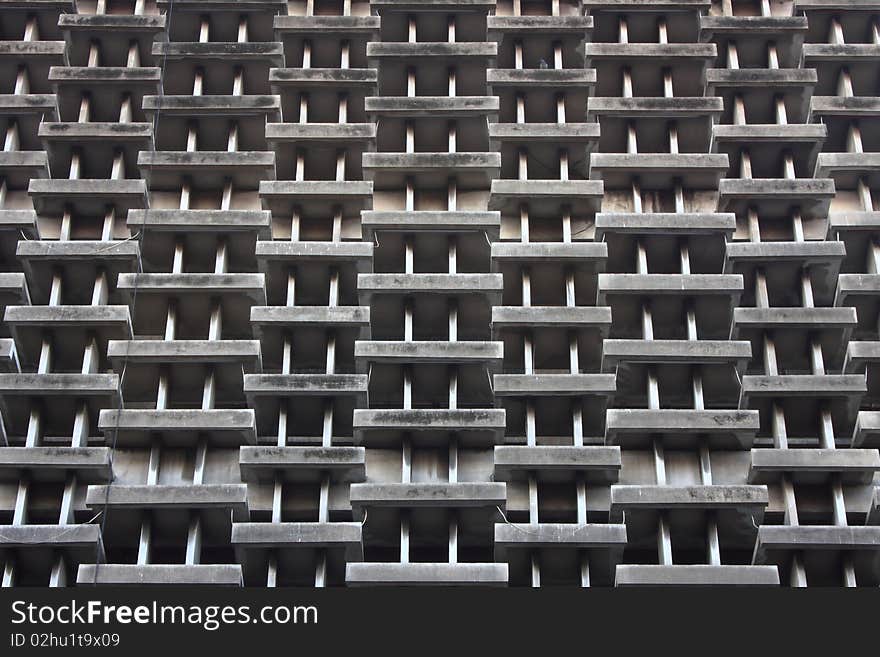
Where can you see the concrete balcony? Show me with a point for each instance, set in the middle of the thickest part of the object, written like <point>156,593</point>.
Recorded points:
<point>681,428</point>
<point>586,317</point>
<point>428,351</point>
<point>578,256</point>
<point>696,575</point>
<point>17,168</point>
<point>432,107</point>
<point>832,108</point>
<point>687,61</point>
<point>103,140</point>
<point>557,463</point>
<point>133,427</point>
<point>316,196</point>
<point>419,495</point>
<point>612,225</point>
<point>469,169</point>
<point>425,574</point>
<point>810,466</point>
<point>474,427</point>
<point>212,169</point>
<point>54,465</point>
<point>676,352</point>
<point>776,197</point>
<point>217,60</point>
<point>87,196</point>
<point>107,86</point>
<point>554,385</point>
<point>783,261</point>
<point>847,169</point>
<point>301,464</point>
<point>659,170</point>
<point>77,543</point>
<point>373,222</point>
<point>546,197</point>
<point>752,34</point>
<point>803,396</point>
<point>164,497</point>
<point>75,325</point>
<point>79,261</point>
<point>114,33</point>
<point>769,143</point>
<point>342,538</point>
<point>488,285</point>
<point>758,88</point>
<point>39,56</point>
<point>231,107</point>
<point>172,222</point>
<point>118,574</point>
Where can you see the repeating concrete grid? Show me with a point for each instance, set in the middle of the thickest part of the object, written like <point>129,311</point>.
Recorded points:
<point>514,292</point>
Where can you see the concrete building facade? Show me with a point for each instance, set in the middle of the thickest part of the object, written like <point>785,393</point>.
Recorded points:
<point>514,292</point>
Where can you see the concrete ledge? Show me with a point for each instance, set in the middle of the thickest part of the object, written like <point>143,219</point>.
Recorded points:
<point>418,495</point>
<point>345,133</point>
<point>76,132</point>
<point>803,385</point>
<point>63,251</point>
<point>252,286</point>
<point>556,78</point>
<point>127,76</point>
<point>636,497</point>
<point>78,542</point>
<point>719,428</point>
<point>258,221</point>
<point>244,168</point>
<point>599,317</point>
<point>149,24</point>
<point>247,352</point>
<point>441,50</point>
<point>656,170</point>
<point>851,285</point>
<point>310,316</point>
<point>323,77</point>
<point>310,25</point>
<point>427,220</point>
<point>88,464</point>
<point>163,496</point>
<point>281,196</point>
<point>291,535</point>
<point>670,52</point>
<point>664,223</point>
<point>307,385</point>
<point>19,220</point>
<point>296,463</point>
<point>192,106</point>
<point>809,253</point>
<point>814,319</point>
<point>60,385</point>
<point>137,426</point>
<point>13,286</point>
<point>785,538</point>
<point>596,464</point>
<point>695,352</point>
<point>751,25</point>
<point>117,574</point>
<point>544,132</point>
<point>772,79</point>
<point>530,536</point>
<point>19,167</point>
<point>360,252</point>
<point>852,107</point>
<point>695,575</point>
<point>24,104</point>
<point>9,361</point>
<point>684,107</point>
<point>488,424</point>
<point>571,253</point>
<point>669,284</point>
<point>847,168</point>
<point>87,196</point>
<point>848,53</point>
<point>442,284</point>
<point>117,317</point>
<point>500,26</point>
<point>776,196</point>
<point>439,574</point>
<point>538,385</point>
<point>269,51</point>
<point>866,432</point>
<point>432,106</point>
<point>814,466</point>
<point>422,351</point>
<point>580,195</point>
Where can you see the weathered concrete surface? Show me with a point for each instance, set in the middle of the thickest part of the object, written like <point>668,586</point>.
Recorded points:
<point>117,574</point>
<point>439,574</point>
<point>695,575</point>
